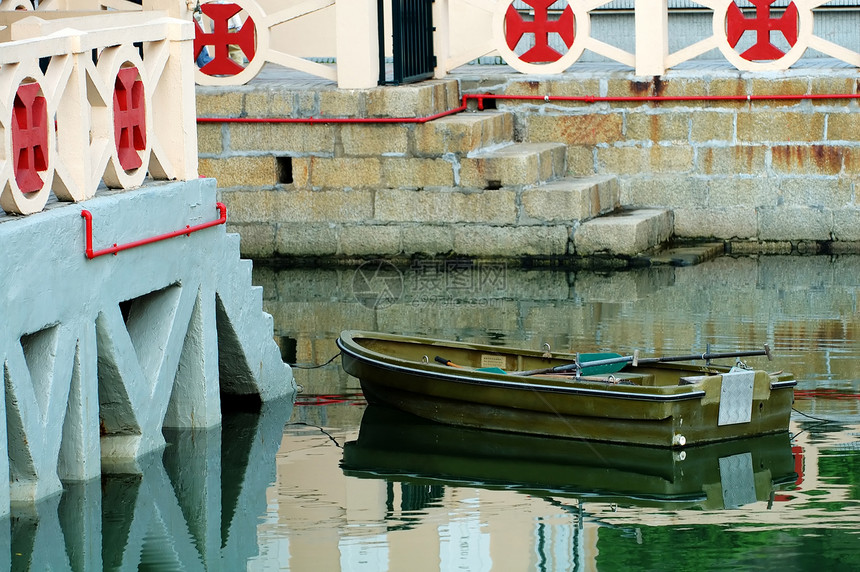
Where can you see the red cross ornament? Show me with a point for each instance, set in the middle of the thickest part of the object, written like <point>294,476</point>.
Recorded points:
<point>540,26</point>
<point>221,38</point>
<point>762,24</point>
<point>29,137</point>
<point>129,118</point>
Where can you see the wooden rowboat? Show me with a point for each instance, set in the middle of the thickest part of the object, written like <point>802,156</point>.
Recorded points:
<point>657,402</point>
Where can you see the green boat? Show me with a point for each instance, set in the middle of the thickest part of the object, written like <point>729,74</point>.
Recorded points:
<point>620,399</point>
<point>399,447</point>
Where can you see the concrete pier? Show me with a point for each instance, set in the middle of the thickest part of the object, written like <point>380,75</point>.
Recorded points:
<point>100,355</point>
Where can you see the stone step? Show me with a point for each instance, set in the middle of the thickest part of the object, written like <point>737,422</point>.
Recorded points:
<point>571,199</point>
<point>624,232</point>
<point>263,99</point>
<point>517,164</point>
<point>463,133</point>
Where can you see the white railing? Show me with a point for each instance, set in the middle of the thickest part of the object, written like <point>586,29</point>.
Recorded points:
<point>474,28</point>
<point>92,98</point>
<point>238,37</point>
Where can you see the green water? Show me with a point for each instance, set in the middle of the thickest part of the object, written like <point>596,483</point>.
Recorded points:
<point>330,484</point>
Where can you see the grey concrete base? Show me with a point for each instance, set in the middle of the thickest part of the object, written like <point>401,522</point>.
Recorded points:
<point>99,355</point>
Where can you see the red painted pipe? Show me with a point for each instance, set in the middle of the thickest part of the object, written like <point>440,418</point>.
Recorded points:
<point>480,97</point>
<point>88,218</point>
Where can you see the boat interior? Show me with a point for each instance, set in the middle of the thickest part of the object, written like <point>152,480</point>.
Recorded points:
<point>503,361</point>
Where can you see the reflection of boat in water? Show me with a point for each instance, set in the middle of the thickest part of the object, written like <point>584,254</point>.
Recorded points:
<point>624,399</point>
<point>401,447</point>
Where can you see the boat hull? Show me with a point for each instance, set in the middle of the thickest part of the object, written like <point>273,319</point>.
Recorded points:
<point>660,415</point>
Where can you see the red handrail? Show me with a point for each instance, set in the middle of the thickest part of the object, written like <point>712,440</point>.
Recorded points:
<point>88,218</point>
<point>480,97</point>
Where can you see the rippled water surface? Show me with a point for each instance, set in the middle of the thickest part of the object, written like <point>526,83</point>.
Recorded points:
<point>329,483</point>
<point>361,489</point>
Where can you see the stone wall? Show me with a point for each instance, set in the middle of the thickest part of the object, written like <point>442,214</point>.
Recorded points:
<point>763,174</point>
<point>770,176</point>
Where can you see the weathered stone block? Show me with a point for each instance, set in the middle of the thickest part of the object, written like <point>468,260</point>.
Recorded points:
<point>307,103</point>
<point>807,159</point>
<point>213,102</point>
<point>370,240</point>
<point>746,247</point>
<point>342,102</point>
<point>517,164</point>
<point>727,192</point>
<point>756,126</point>
<point>659,86</point>
<point>306,239</point>
<point>483,240</point>
<point>527,87</point>
<point>269,103</point>
<point>258,240</point>
<point>333,206</point>
<point>416,173</point>
<point>282,137</point>
<point>576,129</point>
<point>345,172</point>
<point>663,191</point>
<point>830,193</point>
<point>724,223</point>
<point>658,127</point>
<point>843,126</point>
<point>209,139</point>
<point>573,87</point>
<point>299,205</point>
<point>628,160</point>
<point>731,160</point>
<point>580,161</point>
<point>446,206</point>
<point>670,159</point>
<point>781,86</point>
<point>571,199</point>
<point>462,133</point>
<point>257,171</point>
<point>650,159</point>
<point>728,86</point>
<point>712,126</point>
<point>251,206</point>
<point>626,233</point>
<point>364,140</point>
<point>403,101</point>
<point>794,223</point>
<point>301,167</point>
<point>846,225</point>
<point>427,239</point>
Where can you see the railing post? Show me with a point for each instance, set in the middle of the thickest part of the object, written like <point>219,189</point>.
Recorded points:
<point>652,37</point>
<point>357,44</point>
<point>175,114</point>
<point>441,39</point>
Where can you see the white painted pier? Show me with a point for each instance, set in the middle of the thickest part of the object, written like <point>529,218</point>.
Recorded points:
<point>126,308</point>
<point>101,354</point>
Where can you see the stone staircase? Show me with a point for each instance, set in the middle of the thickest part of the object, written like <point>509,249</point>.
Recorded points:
<point>461,185</point>
<point>489,159</point>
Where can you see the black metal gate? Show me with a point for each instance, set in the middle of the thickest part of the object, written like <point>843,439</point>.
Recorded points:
<point>412,41</point>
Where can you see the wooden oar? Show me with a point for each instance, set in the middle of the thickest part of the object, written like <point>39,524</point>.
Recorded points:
<point>622,361</point>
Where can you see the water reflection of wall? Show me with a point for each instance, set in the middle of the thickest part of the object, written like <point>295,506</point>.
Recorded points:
<point>337,521</point>
<point>806,308</point>
<point>194,507</point>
